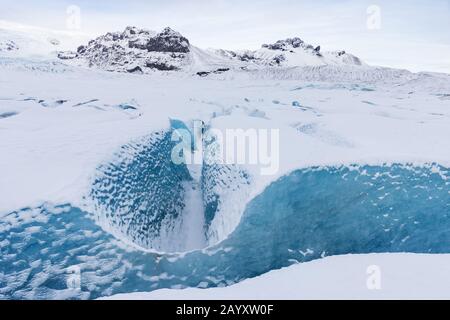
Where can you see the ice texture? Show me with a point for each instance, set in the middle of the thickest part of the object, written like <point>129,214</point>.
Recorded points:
<point>306,215</point>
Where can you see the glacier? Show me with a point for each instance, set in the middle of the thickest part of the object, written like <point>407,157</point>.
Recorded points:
<point>142,193</point>
<point>306,215</point>
<point>87,179</point>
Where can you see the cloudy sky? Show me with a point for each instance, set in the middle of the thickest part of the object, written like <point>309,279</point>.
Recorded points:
<point>412,34</point>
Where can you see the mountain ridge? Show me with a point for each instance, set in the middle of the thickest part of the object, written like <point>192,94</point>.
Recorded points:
<point>138,50</point>
<point>141,51</point>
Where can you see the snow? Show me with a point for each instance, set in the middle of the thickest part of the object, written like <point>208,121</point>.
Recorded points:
<point>37,42</point>
<point>60,122</point>
<point>63,145</point>
<point>401,276</point>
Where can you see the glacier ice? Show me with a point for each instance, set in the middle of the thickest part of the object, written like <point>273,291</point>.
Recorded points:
<point>308,214</point>
<point>140,194</point>
<point>145,197</point>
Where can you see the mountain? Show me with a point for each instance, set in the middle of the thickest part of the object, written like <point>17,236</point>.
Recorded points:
<point>292,52</point>
<point>142,51</point>
<point>134,50</point>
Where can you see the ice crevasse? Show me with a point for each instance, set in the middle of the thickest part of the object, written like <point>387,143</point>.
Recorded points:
<point>152,224</point>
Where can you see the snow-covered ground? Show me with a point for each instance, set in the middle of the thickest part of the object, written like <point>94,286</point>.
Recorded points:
<point>61,124</point>
<point>372,276</point>
<point>64,125</point>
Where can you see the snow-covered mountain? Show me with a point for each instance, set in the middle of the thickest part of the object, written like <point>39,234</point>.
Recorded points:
<point>291,53</point>
<point>17,40</point>
<point>141,51</point>
<point>134,50</point>
<point>168,52</point>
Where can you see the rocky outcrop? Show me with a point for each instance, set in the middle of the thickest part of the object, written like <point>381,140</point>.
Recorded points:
<point>291,52</point>
<point>8,45</point>
<point>67,55</point>
<point>284,45</point>
<point>168,41</point>
<point>134,50</point>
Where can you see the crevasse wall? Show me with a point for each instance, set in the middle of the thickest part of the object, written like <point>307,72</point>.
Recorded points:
<point>305,215</point>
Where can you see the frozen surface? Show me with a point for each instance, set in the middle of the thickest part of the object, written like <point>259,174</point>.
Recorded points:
<point>86,178</point>
<point>402,276</point>
<point>304,216</point>
<point>66,124</point>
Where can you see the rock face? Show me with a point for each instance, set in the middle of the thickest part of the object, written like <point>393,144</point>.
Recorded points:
<point>285,45</point>
<point>291,45</point>
<point>67,55</point>
<point>134,50</point>
<point>168,41</point>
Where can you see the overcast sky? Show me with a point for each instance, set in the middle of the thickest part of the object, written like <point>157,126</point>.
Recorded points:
<point>412,34</point>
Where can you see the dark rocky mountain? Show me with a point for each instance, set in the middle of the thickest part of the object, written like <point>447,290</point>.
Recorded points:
<point>133,50</point>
